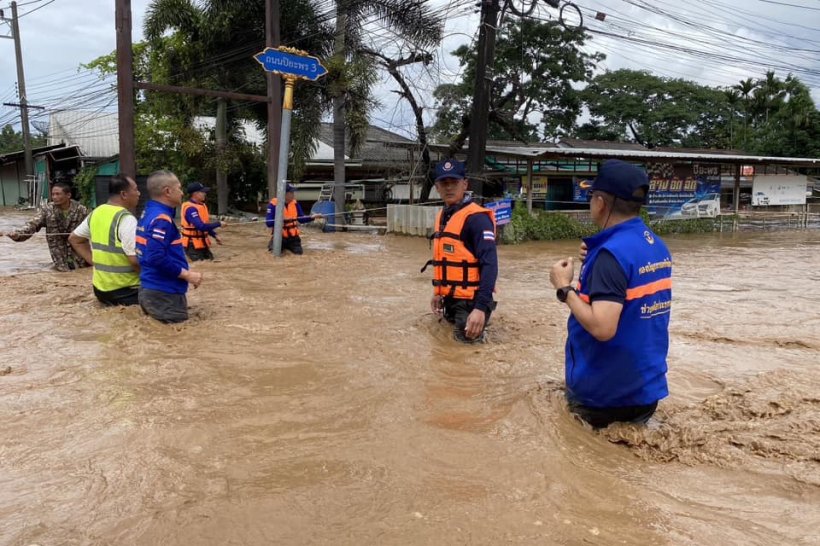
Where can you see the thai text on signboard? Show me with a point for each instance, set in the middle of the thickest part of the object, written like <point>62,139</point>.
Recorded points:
<point>502,210</point>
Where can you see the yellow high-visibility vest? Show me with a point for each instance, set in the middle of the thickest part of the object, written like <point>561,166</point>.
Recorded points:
<point>112,270</point>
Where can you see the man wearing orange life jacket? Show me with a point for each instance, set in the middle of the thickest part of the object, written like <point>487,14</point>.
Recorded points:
<point>465,262</point>
<point>294,215</point>
<point>196,229</point>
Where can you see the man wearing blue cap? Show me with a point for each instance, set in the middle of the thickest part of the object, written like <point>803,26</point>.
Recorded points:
<point>197,227</point>
<point>618,329</point>
<point>294,215</point>
<point>465,263</point>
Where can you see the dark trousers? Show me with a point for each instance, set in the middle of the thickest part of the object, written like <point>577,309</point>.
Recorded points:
<point>164,307</point>
<point>121,296</point>
<point>294,244</point>
<point>197,254</point>
<point>456,312</point>
<point>603,417</point>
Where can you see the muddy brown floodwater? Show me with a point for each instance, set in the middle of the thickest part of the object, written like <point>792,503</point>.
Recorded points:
<point>315,400</point>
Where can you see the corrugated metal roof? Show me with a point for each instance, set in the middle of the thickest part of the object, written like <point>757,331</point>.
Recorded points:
<point>538,152</point>
<point>95,133</point>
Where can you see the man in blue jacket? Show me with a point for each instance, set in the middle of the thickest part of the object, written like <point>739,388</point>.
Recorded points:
<point>618,329</point>
<point>164,273</point>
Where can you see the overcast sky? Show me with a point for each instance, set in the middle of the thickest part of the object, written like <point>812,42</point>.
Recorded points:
<point>714,42</point>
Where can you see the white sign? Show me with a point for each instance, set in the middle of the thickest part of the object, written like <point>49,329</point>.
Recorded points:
<point>778,190</point>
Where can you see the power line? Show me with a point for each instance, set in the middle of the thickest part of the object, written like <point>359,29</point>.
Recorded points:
<point>35,9</point>
<point>787,4</point>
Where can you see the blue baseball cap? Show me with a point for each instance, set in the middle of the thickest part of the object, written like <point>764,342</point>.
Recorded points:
<point>194,187</point>
<point>450,169</point>
<point>622,180</point>
<point>289,188</point>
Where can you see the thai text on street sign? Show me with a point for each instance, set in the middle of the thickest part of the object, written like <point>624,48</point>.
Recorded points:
<point>291,62</point>
<point>502,210</point>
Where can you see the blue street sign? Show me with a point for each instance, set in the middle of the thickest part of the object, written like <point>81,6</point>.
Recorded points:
<point>289,64</point>
<point>502,210</point>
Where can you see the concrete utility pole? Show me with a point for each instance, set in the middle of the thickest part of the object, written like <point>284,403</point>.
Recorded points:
<point>479,119</point>
<point>125,88</point>
<point>273,38</point>
<point>21,87</point>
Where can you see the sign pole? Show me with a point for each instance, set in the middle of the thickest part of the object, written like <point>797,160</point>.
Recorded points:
<point>292,64</point>
<point>284,149</point>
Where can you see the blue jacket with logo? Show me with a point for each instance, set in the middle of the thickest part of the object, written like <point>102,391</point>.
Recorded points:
<point>159,250</point>
<point>630,368</point>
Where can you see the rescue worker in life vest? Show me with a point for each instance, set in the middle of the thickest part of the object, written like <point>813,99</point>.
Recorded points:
<point>465,262</point>
<point>618,329</point>
<point>294,215</point>
<point>196,226</point>
<point>106,239</point>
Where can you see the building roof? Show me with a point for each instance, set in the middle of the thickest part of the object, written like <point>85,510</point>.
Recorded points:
<point>567,142</point>
<point>538,153</point>
<point>380,145</point>
<point>95,133</point>
<point>9,157</point>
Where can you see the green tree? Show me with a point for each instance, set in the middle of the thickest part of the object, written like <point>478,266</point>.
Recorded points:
<point>533,97</point>
<point>657,111</point>
<point>12,141</point>
<point>412,22</point>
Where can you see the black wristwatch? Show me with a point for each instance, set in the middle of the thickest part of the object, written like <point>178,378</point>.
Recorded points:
<point>562,293</point>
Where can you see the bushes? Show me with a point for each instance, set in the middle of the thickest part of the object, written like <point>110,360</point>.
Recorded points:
<point>84,184</point>
<point>543,226</point>
<point>550,226</point>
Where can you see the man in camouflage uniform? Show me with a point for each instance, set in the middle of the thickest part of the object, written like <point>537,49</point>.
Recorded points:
<point>59,216</point>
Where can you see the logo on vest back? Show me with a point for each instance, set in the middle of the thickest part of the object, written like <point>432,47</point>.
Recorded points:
<point>450,249</point>
<point>648,237</point>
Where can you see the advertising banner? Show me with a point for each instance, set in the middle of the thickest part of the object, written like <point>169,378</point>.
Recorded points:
<point>539,186</point>
<point>684,191</point>
<point>502,210</point>
<point>779,190</point>
<point>675,191</point>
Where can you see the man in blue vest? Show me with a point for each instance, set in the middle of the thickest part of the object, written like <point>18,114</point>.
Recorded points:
<point>618,329</point>
<point>107,238</point>
<point>164,271</point>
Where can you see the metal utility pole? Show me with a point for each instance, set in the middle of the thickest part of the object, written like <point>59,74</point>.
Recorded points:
<point>125,88</point>
<point>279,221</point>
<point>273,38</point>
<point>479,119</point>
<point>21,86</point>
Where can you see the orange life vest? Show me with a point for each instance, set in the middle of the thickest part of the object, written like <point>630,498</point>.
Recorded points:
<point>190,234</point>
<point>290,221</point>
<point>456,270</point>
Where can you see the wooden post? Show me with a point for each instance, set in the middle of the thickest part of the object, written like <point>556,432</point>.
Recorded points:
<point>125,89</point>
<point>529,186</point>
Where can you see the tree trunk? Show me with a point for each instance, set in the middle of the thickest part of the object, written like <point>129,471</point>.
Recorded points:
<point>339,121</point>
<point>221,141</point>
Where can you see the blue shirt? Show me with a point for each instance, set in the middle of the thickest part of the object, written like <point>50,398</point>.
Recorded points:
<point>270,217</point>
<point>472,235</point>
<point>193,218</point>
<point>159,250</point>
<point>607,280</point>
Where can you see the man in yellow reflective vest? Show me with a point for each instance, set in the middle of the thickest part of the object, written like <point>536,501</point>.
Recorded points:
<point>196,225</point>
<point>107,238</point>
